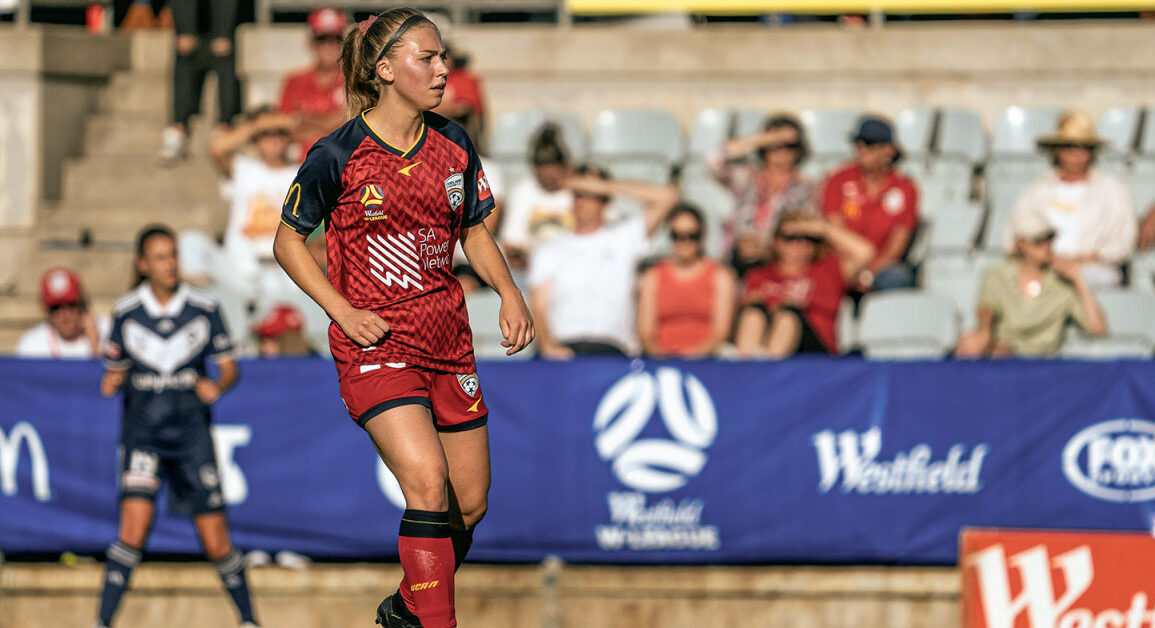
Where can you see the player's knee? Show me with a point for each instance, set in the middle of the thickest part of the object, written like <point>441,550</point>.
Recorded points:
<point>217,549</point>
<point>427,490</point>
<point>473,513</point>
<point>186,44</point>
<point>221,47</point>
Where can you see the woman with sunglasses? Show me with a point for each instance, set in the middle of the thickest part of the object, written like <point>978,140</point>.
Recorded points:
<point>1025,303</point>
<point>685,302</point>
<point>791,304</point>
<point>1091,211</point>
<point>771,186</point>
<point>397,186</point>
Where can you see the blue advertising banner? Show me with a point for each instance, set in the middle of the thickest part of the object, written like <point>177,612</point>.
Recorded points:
<point>603,460</point>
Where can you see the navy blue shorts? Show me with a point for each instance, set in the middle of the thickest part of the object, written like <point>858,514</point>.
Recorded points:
<point>190,471</point>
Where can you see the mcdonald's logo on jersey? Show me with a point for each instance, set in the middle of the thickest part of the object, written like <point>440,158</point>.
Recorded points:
<point>372,196</point>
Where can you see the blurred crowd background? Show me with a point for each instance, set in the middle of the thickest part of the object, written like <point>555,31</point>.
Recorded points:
<point>738,232</point>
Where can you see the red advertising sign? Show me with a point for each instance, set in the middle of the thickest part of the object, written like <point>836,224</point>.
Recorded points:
<point>1043,579</point>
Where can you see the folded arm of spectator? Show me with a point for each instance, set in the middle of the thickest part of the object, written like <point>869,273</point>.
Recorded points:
<point>658,199</point>
<point>977,343</point>
<point>309,126</point>
<point>1092,320</point>
<point>854,251</point>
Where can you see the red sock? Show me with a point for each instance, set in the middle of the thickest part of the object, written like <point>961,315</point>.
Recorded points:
<point>427,558</point>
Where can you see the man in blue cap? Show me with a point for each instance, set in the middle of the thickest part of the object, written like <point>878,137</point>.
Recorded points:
<point>870,197</point>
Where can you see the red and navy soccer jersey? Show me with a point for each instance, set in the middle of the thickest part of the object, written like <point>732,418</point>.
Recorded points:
<point>392,219</point>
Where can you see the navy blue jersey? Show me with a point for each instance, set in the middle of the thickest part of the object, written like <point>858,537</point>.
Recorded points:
<point>164,349</point>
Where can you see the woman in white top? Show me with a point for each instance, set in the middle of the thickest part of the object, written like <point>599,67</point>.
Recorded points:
<point>1091,211</point>
<point>538,207</point>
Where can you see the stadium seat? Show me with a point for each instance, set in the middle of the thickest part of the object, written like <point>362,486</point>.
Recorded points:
<point>1142,276</point>
<point>914,126</point>
<point>237,316</point>
<point>639,144</point>
<point>709,130</point>
<point>1140,181</point>
<point>847,326</point>
<point>955,229</point>
<point>1130,328</point>
<point>961,137</point>
<point>1147,141</point>
<point>1119,126</point>
<point>829,132</point>
<point>514,130</point>
<point>940,184</point>
<point>1018,129</point>
<point>958,277</point>
<point>998,216</point>
<point>484,307</point>
<point>716,203</point>
<point>907,324</point>
<point>749,121</point>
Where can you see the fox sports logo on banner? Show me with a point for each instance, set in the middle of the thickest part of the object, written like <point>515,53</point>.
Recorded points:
<point>1113,460</point>
<point>655,465</point>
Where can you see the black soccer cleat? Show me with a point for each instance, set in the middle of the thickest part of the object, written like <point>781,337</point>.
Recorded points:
<point>392,613</point>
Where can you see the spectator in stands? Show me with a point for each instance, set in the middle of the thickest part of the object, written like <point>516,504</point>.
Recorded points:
<point>685,302</point>
<point>464,99</point>
<point>255,187</point>
<point>139,15</point>
<point>1091,211</point>
<point>69,330</point>
<point>190,67</point>
<point>281,332</point>
<point>1025,303</point>
<point>871,198</point>
<point>765,191</point>
<point>315,97</point>
<point>582,283</point>
<point>540,207</point>
<point>791,304</point>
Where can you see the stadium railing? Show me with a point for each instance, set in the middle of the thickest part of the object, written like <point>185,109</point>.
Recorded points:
<point>459,11</point>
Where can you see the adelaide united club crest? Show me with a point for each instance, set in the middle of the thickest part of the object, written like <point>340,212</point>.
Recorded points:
<point>455,188</point>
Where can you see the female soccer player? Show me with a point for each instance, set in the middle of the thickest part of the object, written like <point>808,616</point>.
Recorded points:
<point>163,333</point>
<point>396,186</point>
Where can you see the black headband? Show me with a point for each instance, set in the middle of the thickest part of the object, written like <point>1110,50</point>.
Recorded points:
<point>406,25</point>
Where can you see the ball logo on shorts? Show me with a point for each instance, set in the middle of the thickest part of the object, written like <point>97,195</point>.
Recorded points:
<point>469,383</point>
<point>655,465</point>
<point>455,189</point>
<point>372,196</point>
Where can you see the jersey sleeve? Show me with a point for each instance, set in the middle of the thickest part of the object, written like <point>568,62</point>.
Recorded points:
<point>220,345</point>
<point>315,190</point>
<point>115,358</point>
<point>479,201</point>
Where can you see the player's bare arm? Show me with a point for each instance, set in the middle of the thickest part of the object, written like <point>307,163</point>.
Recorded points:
<point>209,391</point>
<point>111,381</point>
<point>363,327</point>
<point>515,319</point>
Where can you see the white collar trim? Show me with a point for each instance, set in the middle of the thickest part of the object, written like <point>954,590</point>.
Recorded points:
<point>154,307</point>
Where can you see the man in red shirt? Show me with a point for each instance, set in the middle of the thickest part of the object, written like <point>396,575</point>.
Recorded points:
<point>871,198</point>
<point>315,97</point>
<point>464,100</point>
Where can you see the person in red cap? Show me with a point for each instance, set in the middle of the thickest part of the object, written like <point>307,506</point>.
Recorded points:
<point>69,331</point>
<point>315,96</point>
<point>282,333</point>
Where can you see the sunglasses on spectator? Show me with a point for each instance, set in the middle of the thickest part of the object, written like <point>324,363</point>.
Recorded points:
<point>783,146</point>
<point>596,197</point>
<point>798,237</point>
<point>685,236</point>
<point>1043,239</point>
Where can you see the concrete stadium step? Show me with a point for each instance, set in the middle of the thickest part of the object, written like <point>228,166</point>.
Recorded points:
<point>118,223</point>
<point>152,51</point>
<point>140,92</point>
<point>10,335</point>
<point>106,272</point>
<point>110,135</point>
<point>110,181</point>
<point>21,309</point>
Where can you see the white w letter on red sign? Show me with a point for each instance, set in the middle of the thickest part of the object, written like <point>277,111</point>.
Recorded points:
<point>1038,593</point>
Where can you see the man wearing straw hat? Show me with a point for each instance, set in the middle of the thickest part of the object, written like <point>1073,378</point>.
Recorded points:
<point>1090,210</point>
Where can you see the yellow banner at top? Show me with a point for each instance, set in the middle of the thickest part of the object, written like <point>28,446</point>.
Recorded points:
<point>850,6</point>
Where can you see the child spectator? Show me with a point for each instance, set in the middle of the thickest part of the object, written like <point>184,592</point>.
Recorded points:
<point>871,198</point>
<point>765,191</point>
<point>315,97</point>
<point>281,332</point>
<point>69,331</point>
<point>791,304</point>
<point>1091,211</point>
<point>685,302</point>
<point>582,283</point>
<point>1025,303</point>
<point>540,207</point>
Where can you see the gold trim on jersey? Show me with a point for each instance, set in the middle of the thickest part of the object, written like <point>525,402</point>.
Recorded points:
<point>404,153</point>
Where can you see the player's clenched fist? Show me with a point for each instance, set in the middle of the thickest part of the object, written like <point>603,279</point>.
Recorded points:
<point>363,327</point>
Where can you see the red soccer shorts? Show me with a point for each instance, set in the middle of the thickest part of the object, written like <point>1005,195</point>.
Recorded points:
<point>454,399</point>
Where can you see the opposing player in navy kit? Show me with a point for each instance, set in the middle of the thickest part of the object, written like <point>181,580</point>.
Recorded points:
<point>163,334</point>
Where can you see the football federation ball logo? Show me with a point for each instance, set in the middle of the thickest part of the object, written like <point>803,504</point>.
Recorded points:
<point>372,196</point>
